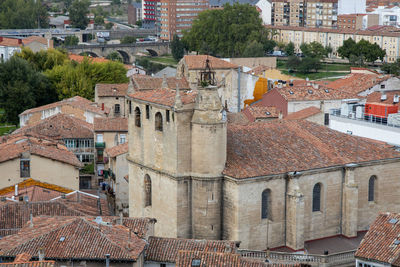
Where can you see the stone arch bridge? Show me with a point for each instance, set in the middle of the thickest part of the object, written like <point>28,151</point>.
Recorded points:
<point>127,51</point>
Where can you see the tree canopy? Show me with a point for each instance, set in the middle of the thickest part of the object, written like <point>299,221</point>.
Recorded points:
<point>44,59</point>
<point>226,32</point>
<point>313,54</point>
<point>23,14</point>
<point>360,52</point>
<point>177,48</point>
<point>22,87</point>
<point>78,12</point>
<point>392,68</point>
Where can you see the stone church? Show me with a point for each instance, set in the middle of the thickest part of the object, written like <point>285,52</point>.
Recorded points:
<point>269,184</point>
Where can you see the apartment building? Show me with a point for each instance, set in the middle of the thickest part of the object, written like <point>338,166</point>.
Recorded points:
<point>386,37</point>
<point>178,15</point>
<point>313,13</point>
<point>149,13</point>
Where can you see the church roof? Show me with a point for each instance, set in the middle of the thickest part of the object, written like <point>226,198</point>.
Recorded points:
<point>164,96</point>
<point>198,62</point>
<point>278,147</point>
<point>113,89</point>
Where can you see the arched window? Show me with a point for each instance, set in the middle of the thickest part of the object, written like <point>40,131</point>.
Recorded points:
<point>266,204</point>
<point>137,117</point>
<point>159,122</point>
<point>316,198</point>
<point>147,190</point>
<point>371,188</point>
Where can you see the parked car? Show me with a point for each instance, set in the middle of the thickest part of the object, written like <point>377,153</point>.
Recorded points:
<point>279,54</point>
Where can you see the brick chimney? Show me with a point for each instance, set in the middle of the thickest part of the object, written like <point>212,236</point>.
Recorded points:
<point>19,41</point>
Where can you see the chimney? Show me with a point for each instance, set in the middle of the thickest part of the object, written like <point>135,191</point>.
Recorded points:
<point>16,190</point>
<point>19,41</point>
<point>280,115</point>
<point>1,38</point>
<point>396,98</point>
<point>102,106</point>
<point>120,218</point>
<point>107,260</point>
<point>30,220</point>
<point>315,86</point>
<point>41,254</point>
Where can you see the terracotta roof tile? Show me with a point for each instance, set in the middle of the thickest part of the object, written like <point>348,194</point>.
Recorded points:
<point>197,62</point>
<point>110,124</point>
<point>29,264</point>
<point>13,148</point>
<point>38,39</point>
<point>257,111</point>
<point>66,238</point>
<point>145,82</point>
<point>375,97</point>
<point>301,91</point>
<point>76,101</point>
<point>259,70</point>
<point>139,226</point>
<point>23,257</point>
<point>59,126</point>
<point>382,241</point>
<point>356,83</point>
<point>117,150</point>
<point>220,259</point>
<point>113,89</point>
<point>303,114</point>
<point>166,249</point>
<point>278,147</point>
<point>164,96</point>
<point>24,41</point>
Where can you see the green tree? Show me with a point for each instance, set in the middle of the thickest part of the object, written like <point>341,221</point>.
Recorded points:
<point>361,52</point>
<point>22,87</point>
<point>254,49</point>
<point>115,56</point>
<point>289,49</point>
<point>99,20</point>
<point>225,32</point>
<point>23,14</point>
<point>109,26</point>
<point>347,49</point>
<point>44,59</point>
<point>78,12</point>
<point>139,23</point>
<point>309,64</point>
<point>128,40</point>
<point>314,50</point>
<point>293,63</point>
<point>71,40</point>
<point>73,78</point>
<point>177,48</point>
<point>392,68</point>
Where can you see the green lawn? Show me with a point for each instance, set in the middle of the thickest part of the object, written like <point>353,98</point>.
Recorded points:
<point>6,129</point>
<point>281,64</point>
<point>316,75</point>
<point>167,60</point>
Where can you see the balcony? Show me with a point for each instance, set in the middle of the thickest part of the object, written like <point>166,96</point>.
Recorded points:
<point>100,145</point>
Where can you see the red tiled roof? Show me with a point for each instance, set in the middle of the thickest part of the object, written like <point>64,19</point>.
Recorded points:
<point>145,82</point>
<point>139,226</point>
<point>257,111</point>
<point>110,124</point>
<point>117,150</point>
<point>277,147</point>
<point>164,96</point>
<point>259,70</point>
<point>356,83</point>
<point>29,264</point>
<point>38,39</point>
<point>58,127</point>
<point>198,62</point>
<point>13,148</point>
<point>76,101</point>
<point>303,114</point>
<point>166,249</point>
<point>219,259</point>
<point>113,89</point>
<point>375,97</point>
<point>66,238</point>
<point>300,91</point>
<point>14,42</point>
<point>380,242</point>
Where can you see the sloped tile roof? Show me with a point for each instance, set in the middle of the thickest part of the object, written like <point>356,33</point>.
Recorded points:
<point>29,264</point>
<point>139,226</point>
<point>303,114</point>
<point>38,39</point>
<point>259,70</point>
<point>112,89</point>
<point>60,126</point>
<point>145,82</point>
<point>380,242</point>
<point>356,83</point>
<point>219,259</point>
<point>76,101</point>
<point>258,111</point>
<point>24,41</point>
<point>166,249</point>
<point>117,150</point>
<point>278,147</point>
<point>375,97</point>
<point>164,96</point>
<point>300,91</point>
<point>198,62</point>
<point>66,238</point>
<point>13,148</point>
<point>110,124</point>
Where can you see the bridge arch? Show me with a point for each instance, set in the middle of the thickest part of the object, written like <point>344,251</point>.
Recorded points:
<point>125,56</point>
<point>152,52</point>
<point>88,53</point>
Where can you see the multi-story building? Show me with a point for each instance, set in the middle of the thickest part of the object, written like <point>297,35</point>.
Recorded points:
<point>386,37</point>
<point>134,12</point>
<point>350,21</point>
<point>313,13</point>
<point>178,15</point>
<point>388,16</point>
<point>149,13</point>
